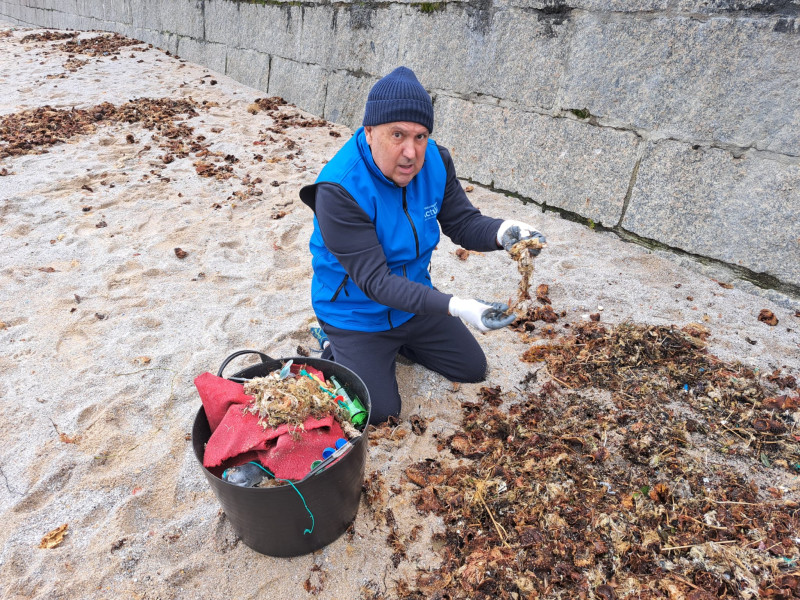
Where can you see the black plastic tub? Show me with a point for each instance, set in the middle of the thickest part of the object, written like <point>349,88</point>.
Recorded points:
<point>272,520</point>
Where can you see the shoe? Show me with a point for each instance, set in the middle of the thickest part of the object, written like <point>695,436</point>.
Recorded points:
<point>319,335</point>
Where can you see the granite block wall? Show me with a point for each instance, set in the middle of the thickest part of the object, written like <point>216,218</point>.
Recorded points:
<point>675,123</point>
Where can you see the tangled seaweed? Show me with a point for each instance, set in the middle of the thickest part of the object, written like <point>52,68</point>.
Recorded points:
<point>32,131</point>
<point>102,45</point>
<point>628,475</point>
<point>292,400</point>
<point>521,254</point>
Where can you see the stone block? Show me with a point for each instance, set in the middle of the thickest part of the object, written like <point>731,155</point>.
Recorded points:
<point>112,26</point>
<point>563,163</point>
<point>43,18</point>
<point>67,7</point>
<point>742,211</point>
<point>248,67</point>
<point>184,17</point>
<point>315,36</point>
<point>617,6</point>
<point>167,42</point>
<point>223,23</point>
<point>146,14</point>
<point>268,28</point>
<point>368,40</point>
<point>13,12</point>
<point>72,21</point>
<point>203,53</point>
<point>118,11</point>
<point>514,56</point>
<point>759,7</point>
<point>87,23</point>
<point>29,15</point>
<point>345,98</point>
<point>24,16</point>
<point>90,9</point>
<point>127,29</point>
<point>298,83</point>
<point>97,10</point>
<point>722,80</point>
<point>517,55</point>
<point>299,33</point>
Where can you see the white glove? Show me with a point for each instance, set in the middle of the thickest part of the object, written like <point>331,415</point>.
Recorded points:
<point>511,232</point>
<point>483,316</point>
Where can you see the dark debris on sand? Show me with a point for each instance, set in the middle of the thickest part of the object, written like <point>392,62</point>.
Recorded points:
<point>641,467</point>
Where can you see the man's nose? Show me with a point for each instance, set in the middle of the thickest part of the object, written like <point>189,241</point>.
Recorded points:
<point>409,150</point>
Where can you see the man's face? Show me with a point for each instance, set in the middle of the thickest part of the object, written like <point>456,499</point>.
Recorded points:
<point>398,149</point>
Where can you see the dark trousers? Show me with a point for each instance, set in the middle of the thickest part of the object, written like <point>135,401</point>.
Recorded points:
<point>440,343</point>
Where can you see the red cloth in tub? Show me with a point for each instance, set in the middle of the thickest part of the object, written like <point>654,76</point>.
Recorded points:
<point>290,458</point>
<point>239,432</point>
<point>287,451</point>
<point>217,394</point>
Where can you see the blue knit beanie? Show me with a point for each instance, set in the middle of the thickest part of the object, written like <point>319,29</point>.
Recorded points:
<point>399,97</point>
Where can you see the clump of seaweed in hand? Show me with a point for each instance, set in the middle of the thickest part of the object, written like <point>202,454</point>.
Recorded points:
<point>522,255</point>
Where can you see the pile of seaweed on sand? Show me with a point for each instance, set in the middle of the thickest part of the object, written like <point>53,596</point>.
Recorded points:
<point>640,467</point>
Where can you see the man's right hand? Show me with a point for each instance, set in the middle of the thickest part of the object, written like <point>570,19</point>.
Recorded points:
<point>483,316</point>
<point>511,232</point>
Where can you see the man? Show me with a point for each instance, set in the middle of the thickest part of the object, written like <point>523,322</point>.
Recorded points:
<point>378,206</point>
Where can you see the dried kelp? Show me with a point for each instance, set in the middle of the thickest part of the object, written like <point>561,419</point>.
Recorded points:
<point>658,365</point>
<point>283,120</point>
<point>521,254</point>
<point>31,131</point>
<point>49,36</point>
<point>291,400</point>
<point>628,474</point>
<point>102,45</point>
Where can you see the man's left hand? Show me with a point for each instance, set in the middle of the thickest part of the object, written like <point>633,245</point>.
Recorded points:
<point>483,316</point>
<point>511,232</point>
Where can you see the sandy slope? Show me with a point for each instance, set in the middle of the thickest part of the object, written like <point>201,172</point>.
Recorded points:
<point>103,328</point>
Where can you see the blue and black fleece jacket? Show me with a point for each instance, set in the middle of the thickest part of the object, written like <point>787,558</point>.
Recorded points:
<point>372,241</point>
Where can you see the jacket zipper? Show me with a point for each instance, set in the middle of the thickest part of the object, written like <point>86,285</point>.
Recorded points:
<point>414,229</point>
<point>416,247</point>
<point>340,288</point>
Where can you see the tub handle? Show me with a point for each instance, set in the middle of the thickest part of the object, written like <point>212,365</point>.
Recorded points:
<point>266,359</point>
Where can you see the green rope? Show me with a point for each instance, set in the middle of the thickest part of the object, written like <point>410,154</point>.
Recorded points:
<point>260,466</point>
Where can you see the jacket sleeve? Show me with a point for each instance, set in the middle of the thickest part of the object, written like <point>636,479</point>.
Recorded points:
<point>350,236</point>
<point>459,219</point>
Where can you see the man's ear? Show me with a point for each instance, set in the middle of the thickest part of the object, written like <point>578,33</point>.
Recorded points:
<point>368,133</point>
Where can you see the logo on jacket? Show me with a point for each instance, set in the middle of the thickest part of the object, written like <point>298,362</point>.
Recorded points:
<point>430,212</point>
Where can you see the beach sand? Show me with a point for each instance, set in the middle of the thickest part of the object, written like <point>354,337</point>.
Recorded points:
<point>103,328</point>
